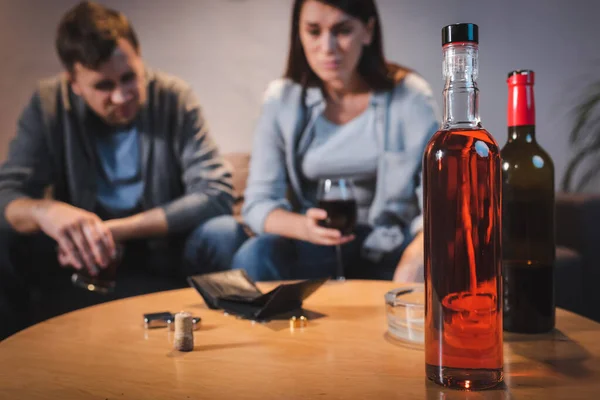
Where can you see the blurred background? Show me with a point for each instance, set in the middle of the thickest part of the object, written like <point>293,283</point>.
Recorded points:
<point>228,50</point>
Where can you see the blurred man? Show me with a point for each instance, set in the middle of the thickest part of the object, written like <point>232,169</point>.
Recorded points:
<point>108,155</point>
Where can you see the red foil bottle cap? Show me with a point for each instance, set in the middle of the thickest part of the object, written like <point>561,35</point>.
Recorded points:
<point>521,102</point>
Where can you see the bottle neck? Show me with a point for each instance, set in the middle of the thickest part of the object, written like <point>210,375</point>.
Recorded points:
<point>461,95</point>
<point>521,108</point>
<point>521,134</point>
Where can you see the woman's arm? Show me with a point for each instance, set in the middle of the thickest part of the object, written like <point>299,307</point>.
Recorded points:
<point>304,227</point>
<point>266,207</point>
<point>267,184</point>
<point>410,267</point>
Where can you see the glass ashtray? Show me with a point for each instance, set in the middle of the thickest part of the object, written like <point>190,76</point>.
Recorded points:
<point>405,309</point>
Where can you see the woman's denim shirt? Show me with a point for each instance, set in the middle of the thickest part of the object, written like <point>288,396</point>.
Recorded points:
<point>406,118</point>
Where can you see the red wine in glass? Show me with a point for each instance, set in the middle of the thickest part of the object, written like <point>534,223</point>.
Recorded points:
<point>341,215</point>
<point>336,197</point>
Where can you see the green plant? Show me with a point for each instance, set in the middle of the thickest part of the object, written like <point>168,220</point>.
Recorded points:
<point>585,140</point>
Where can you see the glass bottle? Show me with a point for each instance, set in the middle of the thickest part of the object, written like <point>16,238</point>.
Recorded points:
<point>462,230</point>
<point>528,216</point>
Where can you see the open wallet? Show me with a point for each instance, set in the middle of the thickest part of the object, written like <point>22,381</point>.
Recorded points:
<point>234,292</point>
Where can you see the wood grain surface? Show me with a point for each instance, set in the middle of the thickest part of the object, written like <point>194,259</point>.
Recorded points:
<point>103,352</point>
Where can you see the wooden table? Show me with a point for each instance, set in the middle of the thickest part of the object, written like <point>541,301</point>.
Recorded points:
<point>103,352</point>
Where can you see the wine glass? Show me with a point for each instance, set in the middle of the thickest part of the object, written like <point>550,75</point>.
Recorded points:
<point>105,281</point>
<point>336,197</point>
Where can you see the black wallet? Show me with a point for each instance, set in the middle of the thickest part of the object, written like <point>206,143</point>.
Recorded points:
<point>234,292</point>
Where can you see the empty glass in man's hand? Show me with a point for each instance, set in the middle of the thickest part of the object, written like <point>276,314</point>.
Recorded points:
<point>104,281</point>
<point>336,197</point>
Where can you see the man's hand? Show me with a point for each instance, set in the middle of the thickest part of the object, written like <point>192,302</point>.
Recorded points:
<point>84,240</point>
<point>410,267</point>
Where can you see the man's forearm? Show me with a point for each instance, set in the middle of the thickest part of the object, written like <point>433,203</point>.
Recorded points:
<point>151,223</point>
<point>21,214</point>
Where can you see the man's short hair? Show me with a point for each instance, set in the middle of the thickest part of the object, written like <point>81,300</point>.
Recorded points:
<point>88,34</point>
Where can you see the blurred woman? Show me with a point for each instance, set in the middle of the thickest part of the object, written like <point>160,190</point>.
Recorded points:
<point>339,111</point>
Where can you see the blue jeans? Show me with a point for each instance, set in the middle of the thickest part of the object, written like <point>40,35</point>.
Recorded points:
<point>269,257</point>
<point>211,246</point>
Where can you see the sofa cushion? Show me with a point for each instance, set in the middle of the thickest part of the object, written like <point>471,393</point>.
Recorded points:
<point>568,280</point>
<point>239,165</point>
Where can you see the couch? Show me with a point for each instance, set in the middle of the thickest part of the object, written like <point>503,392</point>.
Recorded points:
<point>578,253</point>
<point>239,162</point>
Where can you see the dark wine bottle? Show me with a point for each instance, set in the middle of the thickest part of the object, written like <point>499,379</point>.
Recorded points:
<point>528,216</point>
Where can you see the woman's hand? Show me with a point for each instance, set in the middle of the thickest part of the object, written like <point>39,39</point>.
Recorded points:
<point>317,234</point>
